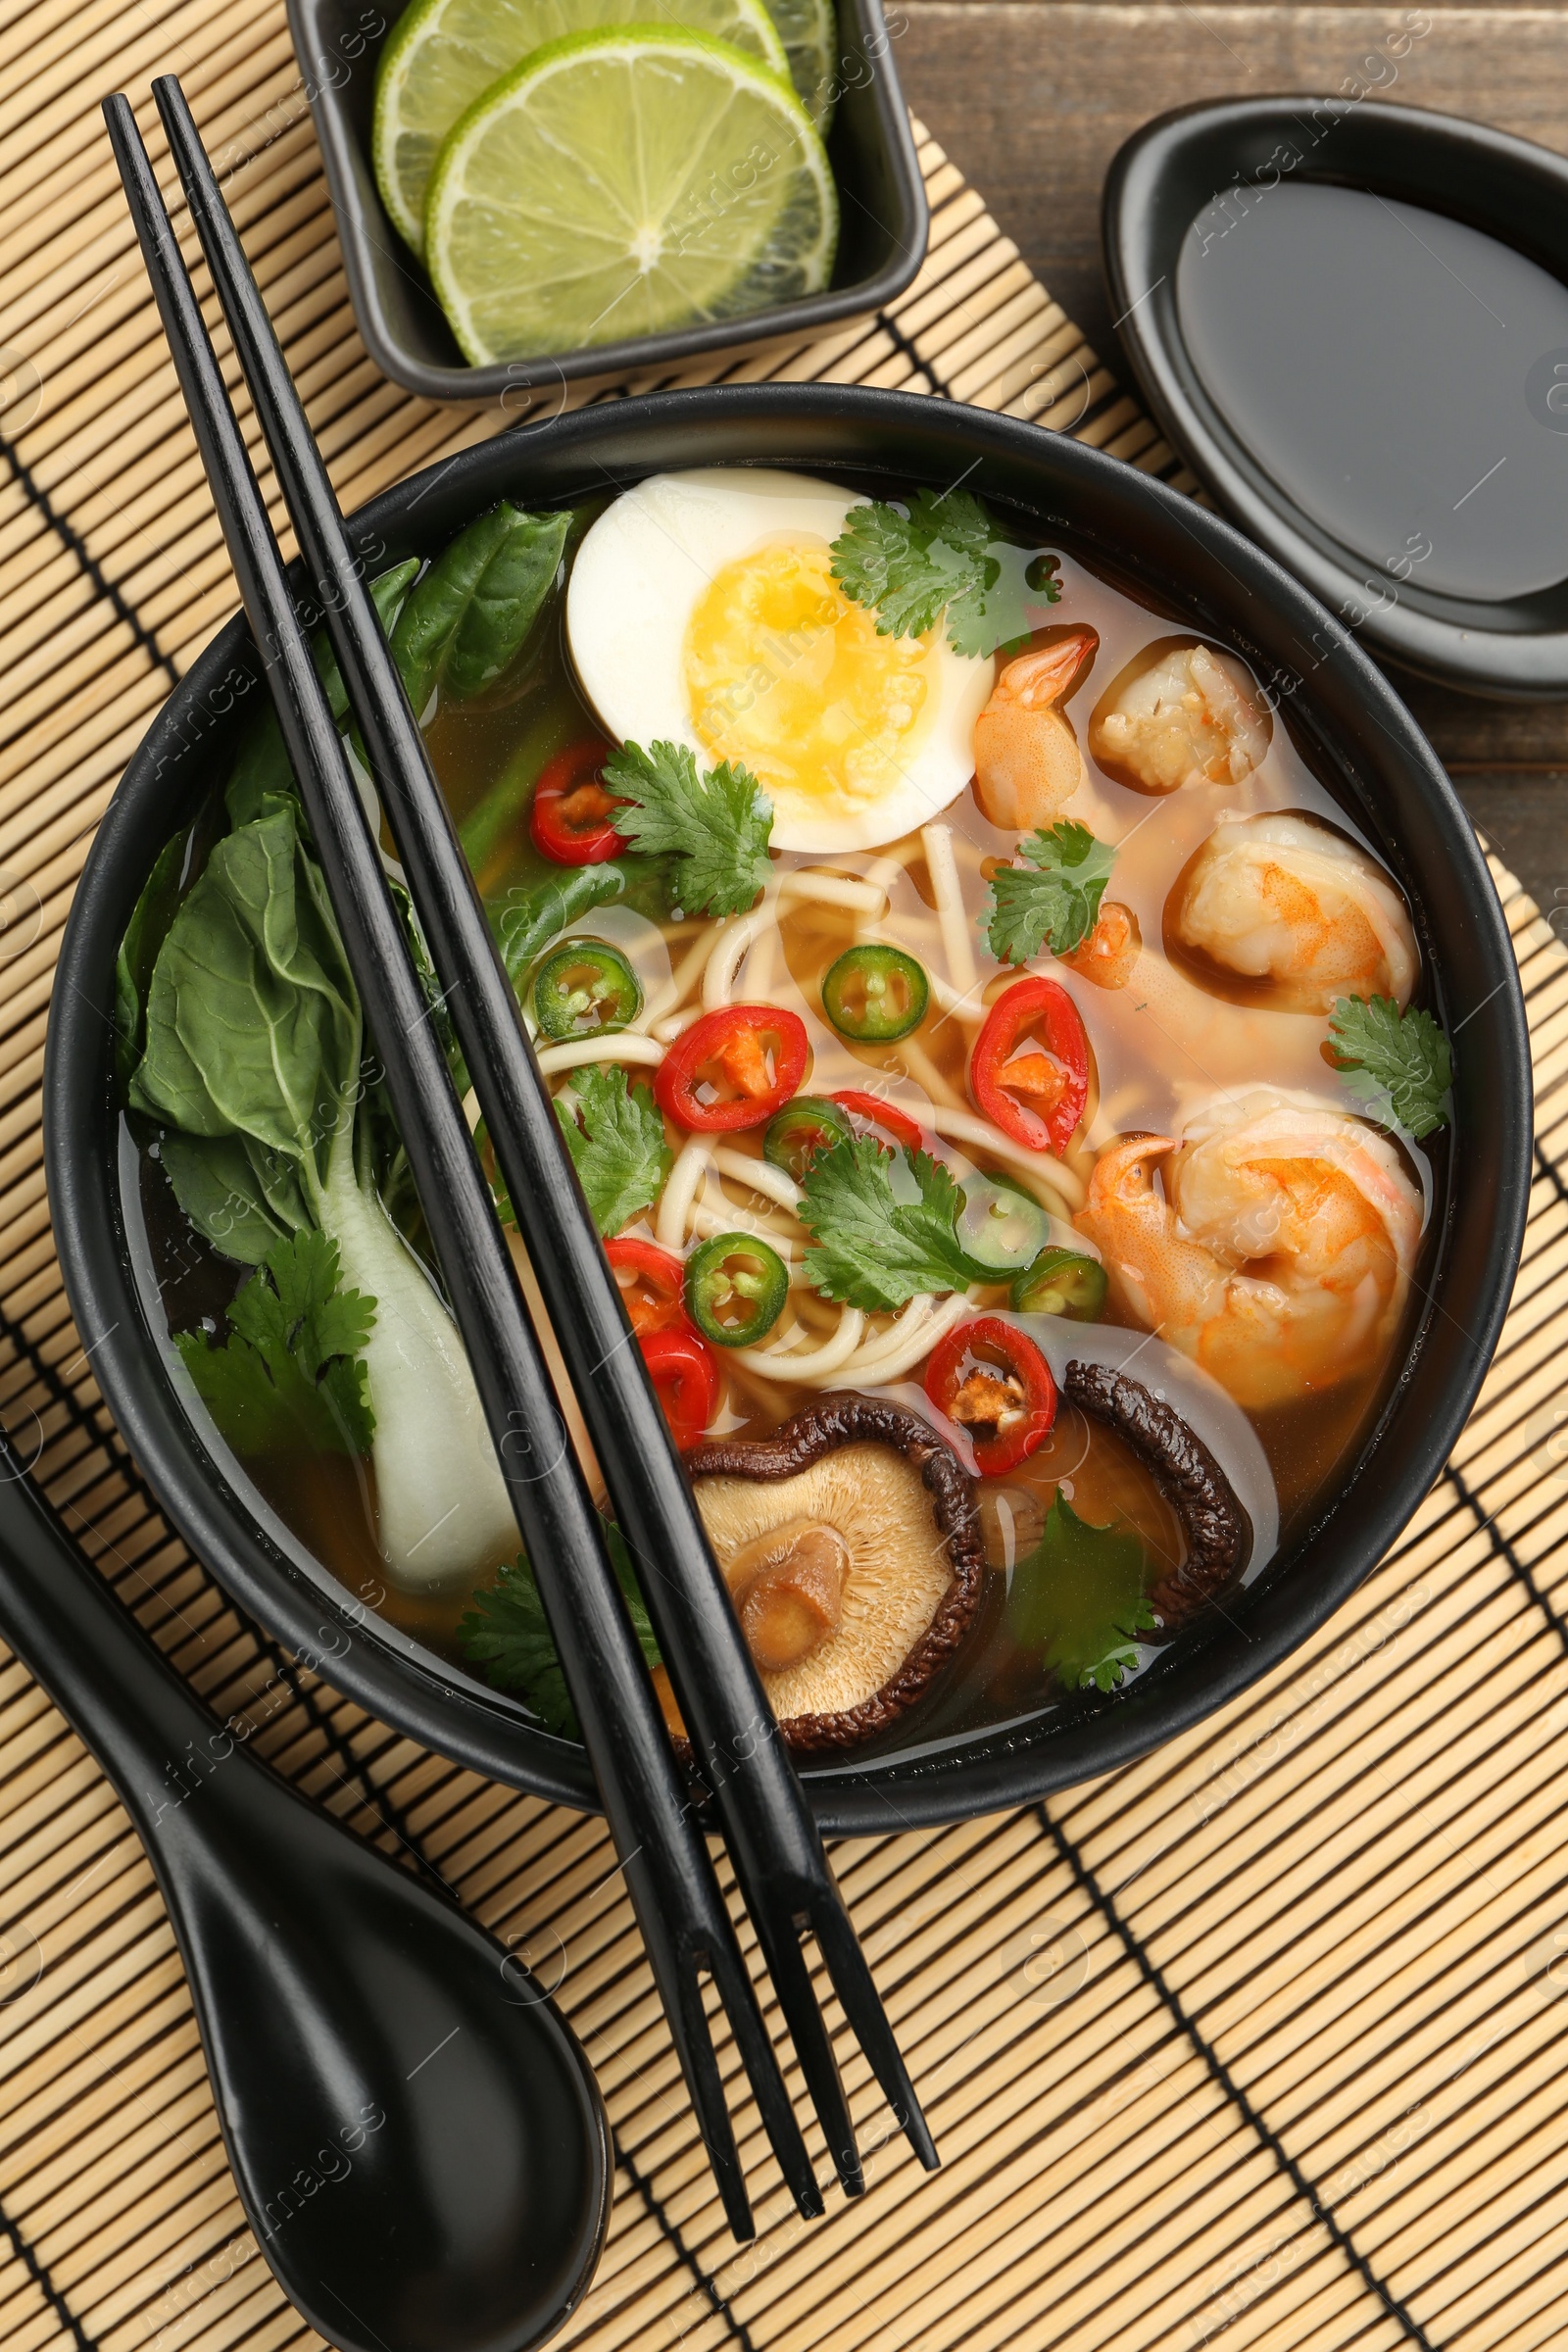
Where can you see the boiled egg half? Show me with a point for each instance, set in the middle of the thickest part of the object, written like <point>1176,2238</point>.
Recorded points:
<point>703,609</point>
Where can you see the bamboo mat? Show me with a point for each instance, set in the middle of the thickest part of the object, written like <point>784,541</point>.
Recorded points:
<point>1262,2038</point>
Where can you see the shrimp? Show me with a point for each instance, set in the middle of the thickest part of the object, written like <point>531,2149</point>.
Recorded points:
<point>1110,952</point>
<point>1278,1256</point>
<point>1286,901</point>
<point>1027,764</point>
<point>1190,717</point>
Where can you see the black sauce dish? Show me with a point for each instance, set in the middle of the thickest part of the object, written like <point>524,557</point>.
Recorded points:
<point>882,233</point>
<point>1185,563</point>
<point>1386,352</point>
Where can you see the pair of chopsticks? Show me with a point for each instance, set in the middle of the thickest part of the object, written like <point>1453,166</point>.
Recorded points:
<point>772,1838</point>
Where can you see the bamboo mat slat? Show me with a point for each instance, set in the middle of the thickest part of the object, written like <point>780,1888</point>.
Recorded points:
<point>1261,2038</point>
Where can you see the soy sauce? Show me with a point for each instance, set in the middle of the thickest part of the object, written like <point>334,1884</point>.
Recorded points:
<point>1401,377</point>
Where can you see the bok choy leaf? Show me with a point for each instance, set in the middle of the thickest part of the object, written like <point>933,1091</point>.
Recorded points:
<point>255,1062</point>
<point>469,614</point>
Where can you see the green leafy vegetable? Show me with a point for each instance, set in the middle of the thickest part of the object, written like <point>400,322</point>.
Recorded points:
<point>134,964</point>
<point>262,766</point>
<point>1402,1063</point>
<point>505,1630</point>
<point>942,551</point>
<point>242,1196</point>
<point>1052,899</point>
<point>616,1139</point>
<point>253,1019</point>
<point>291,1378</point>
<point>1078,1598</point>
<point>533,918</point>
<point>459,629</point>
<point>468,617</point>
<point>717,826</point>
<point>881,1224</point>
<point>253,1064</point>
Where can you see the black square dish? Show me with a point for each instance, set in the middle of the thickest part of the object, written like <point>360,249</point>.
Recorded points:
<point>881,243</point>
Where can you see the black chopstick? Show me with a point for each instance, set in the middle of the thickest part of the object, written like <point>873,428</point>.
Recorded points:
<point>767,1823</point>
<point>669,1872</point>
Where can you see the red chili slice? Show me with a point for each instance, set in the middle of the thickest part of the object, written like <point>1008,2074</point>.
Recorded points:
<point>733,1068</point>
<point>569,820</point>
<point>994,1383</point>
<point>654,1297</point>
<point>685,1376</point>
<point>877,1113</point>
<point>1037,1099</point>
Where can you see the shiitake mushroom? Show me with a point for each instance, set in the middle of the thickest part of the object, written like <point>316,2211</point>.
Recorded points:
<point>850,1540</point>
<point>1213,1518</point>
<point>851,1543</point>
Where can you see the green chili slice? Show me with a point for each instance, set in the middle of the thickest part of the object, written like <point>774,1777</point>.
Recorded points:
<point>584,989</point>
<point>735,1289</point>
<point>1002,1228</point>
<point>1060,1282</point>
<point>873,994</point>
<point>803,1128</point>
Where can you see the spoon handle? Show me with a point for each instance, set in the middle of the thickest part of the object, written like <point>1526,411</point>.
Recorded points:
<point>121,1697</point>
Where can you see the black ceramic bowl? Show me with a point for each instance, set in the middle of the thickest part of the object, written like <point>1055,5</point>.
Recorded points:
<point>882,233</point>
<point>1189,565</point>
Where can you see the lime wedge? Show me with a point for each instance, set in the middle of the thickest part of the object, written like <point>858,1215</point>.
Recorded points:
<point>623,184</point>
<point>444,54</point>
<point>809,36</point>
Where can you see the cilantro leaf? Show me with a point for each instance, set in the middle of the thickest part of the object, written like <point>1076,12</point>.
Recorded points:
<point>616,1139</point>
<point>881,1224</point>
<point>716,825</point>
<point>505,1630</point>
<point>289,1378</point>
<point>1078,1598</point>
<point>945,552</point>
<point>1051,899</point>
<point>1404,1067</point>
<point>883,560</point>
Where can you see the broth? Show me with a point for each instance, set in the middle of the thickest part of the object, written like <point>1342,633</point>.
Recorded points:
<point>1160,1047</point>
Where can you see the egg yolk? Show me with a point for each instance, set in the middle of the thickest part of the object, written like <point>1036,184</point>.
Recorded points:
<point>783,673</point>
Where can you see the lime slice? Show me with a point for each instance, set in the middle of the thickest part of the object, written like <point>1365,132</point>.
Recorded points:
<point>809,36</point>
<point>444,54</point>
<point>623,184</point>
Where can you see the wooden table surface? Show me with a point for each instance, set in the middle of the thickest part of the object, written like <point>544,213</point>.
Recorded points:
<point>1032,98</point>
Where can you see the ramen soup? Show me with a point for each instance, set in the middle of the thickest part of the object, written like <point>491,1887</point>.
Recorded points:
<point>994,1061</point>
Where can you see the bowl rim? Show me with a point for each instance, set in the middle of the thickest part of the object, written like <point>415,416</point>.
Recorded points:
<point>521,386</point>
<point>1294,646</point>
<point>1164,176</point>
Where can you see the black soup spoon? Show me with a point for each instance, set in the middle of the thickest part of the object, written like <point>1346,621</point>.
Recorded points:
<point>416,2134</point>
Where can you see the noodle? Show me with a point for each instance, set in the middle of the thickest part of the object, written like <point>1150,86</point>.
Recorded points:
<point>924,1071</point>
<point>622,1045</point>
<point>670,1027</point>
<point>817,1363</point>
<point>775,1183</point>
<point>729,953</point>
<point>759,969</point>
<point>706,1220</point>
<point>963,1005</point>
<point>897,1350</point>
<point>909,1319</point>
<point>834,890</point>
<point>679,986</point>
<point>943,869</point>
<point>964,1127</point>
<point>680,1191</point>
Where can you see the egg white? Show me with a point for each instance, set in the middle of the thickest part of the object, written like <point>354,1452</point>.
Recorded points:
<point>639,575</point>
